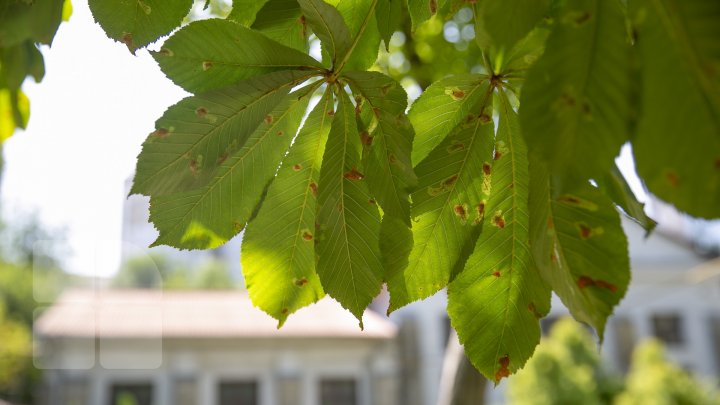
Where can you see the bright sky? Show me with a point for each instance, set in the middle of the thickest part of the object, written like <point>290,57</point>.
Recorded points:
<point>89,117</point>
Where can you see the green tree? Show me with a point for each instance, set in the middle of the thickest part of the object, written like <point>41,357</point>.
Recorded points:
<point>159,271</point>
<point>567,369</point>
<point>499,183</point>
<point>15,353</point>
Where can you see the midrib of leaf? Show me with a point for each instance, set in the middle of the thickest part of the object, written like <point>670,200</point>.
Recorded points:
<point>515,224</point>
<point>368,16</point>
<point>218,128</point>
<point>318,157</point>
<point>217,180</point>
<point>676,30</point>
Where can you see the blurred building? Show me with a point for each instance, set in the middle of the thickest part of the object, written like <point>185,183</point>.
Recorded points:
<point>178,348</point>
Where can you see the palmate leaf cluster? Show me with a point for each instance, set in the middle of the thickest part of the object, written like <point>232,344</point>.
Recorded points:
<point>500,186</point>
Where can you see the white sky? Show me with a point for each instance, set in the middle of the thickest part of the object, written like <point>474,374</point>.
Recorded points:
<point>89,117</point>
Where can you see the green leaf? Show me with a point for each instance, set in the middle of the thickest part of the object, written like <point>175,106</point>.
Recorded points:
<point>36,20</point>
<point>500,24</point>
<point>329,26</point>
<point>211,54</point>
<point>444,104</point>
<point>388,14</point>
<point>278,251</point>
<point>197,135</point>
<point>421,11</point>
<point>137,23</point>
<point>448,204</point>
<point>574,105</point>
<point>349,225</point>
<point>677,146</point>
<point>245,11</point>
<point>619,191</point>
<point>496,302</point>
<point>282,21</point>
<point>389,171</point>
<point>359,15</point>
<point>19,61</point>
<point>579,246</point>
<point>207,217</point>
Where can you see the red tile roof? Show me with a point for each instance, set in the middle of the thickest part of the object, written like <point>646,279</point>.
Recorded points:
<point>196,314</point>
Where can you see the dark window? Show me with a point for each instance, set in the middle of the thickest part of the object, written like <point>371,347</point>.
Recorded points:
<point>715,330</point>
<point>184,391</point>
<point>624,332</point>
<point>668,328</point>
<point>132,394</point>
<point>338,392</point>
<point>238,393</point>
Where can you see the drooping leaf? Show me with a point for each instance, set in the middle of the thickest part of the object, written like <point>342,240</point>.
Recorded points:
<point>278,250</point>
<point>282,21</point>
<point>245,11</point>
<point>18,62</point>
<point>207,217</point>
<point>579,246</point>
<point>359,15</point>
<point>496,302</point>
<point>388,14</point>
<point>574,104</point>
<point>211,54</point>
<point>443,105</point>
<point>677,146</point>
<point>500,24</point>
<point>137,23</point>
<point>448,204</point>
<point>619,191</point>
<point>389,171</point>
<point>198,134</point>
<point>37,21</point>
<point>349,224</point>
<point>328,24</point>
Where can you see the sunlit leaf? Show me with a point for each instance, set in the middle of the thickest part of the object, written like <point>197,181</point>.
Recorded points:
<point>137,23</point>
<point>212,54</point>
<point>329,26</point>
<point>496,302</point>
<point>348,223</point>
<point>278,250</point>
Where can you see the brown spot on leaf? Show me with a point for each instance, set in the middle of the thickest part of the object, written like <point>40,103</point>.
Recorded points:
<point>201,112</point>
<point>486,168</point>
<point>280,133</point>
<point>331,112</point>
<point>582,18</point>
<point>372,201</point>
<point>166,52</point>
<point>433,6</point>
<point>127,39</point>
<point>206,65</point>
<point>354,175</point>
<point>672,178</point>
<point>585,231</point>
<point>585,281</point>
<point>297,167</point>
<point>268,119</point>
<point>484,118</point>
<point>496,274</point>
<point>301,281</point>
<point>314,188</point>
<point>498,220</point>
<point>498,155</point>
<point>386,89</point>
<point>194,167</point>
<point>377,112</point>
<point>222,158</point>
<point>449,181</point>
<point>161,133</point>
<point>479,211</point>
<point>392,159</point>
<point>531,308</point>
<point>504,370</point>
<point>455,146</point>
<point>301,20</point>
<point>306,235</point>
<point>285,311</point>
<point>460,211</point>
<point>365,138</point>
<point>717,163</point>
